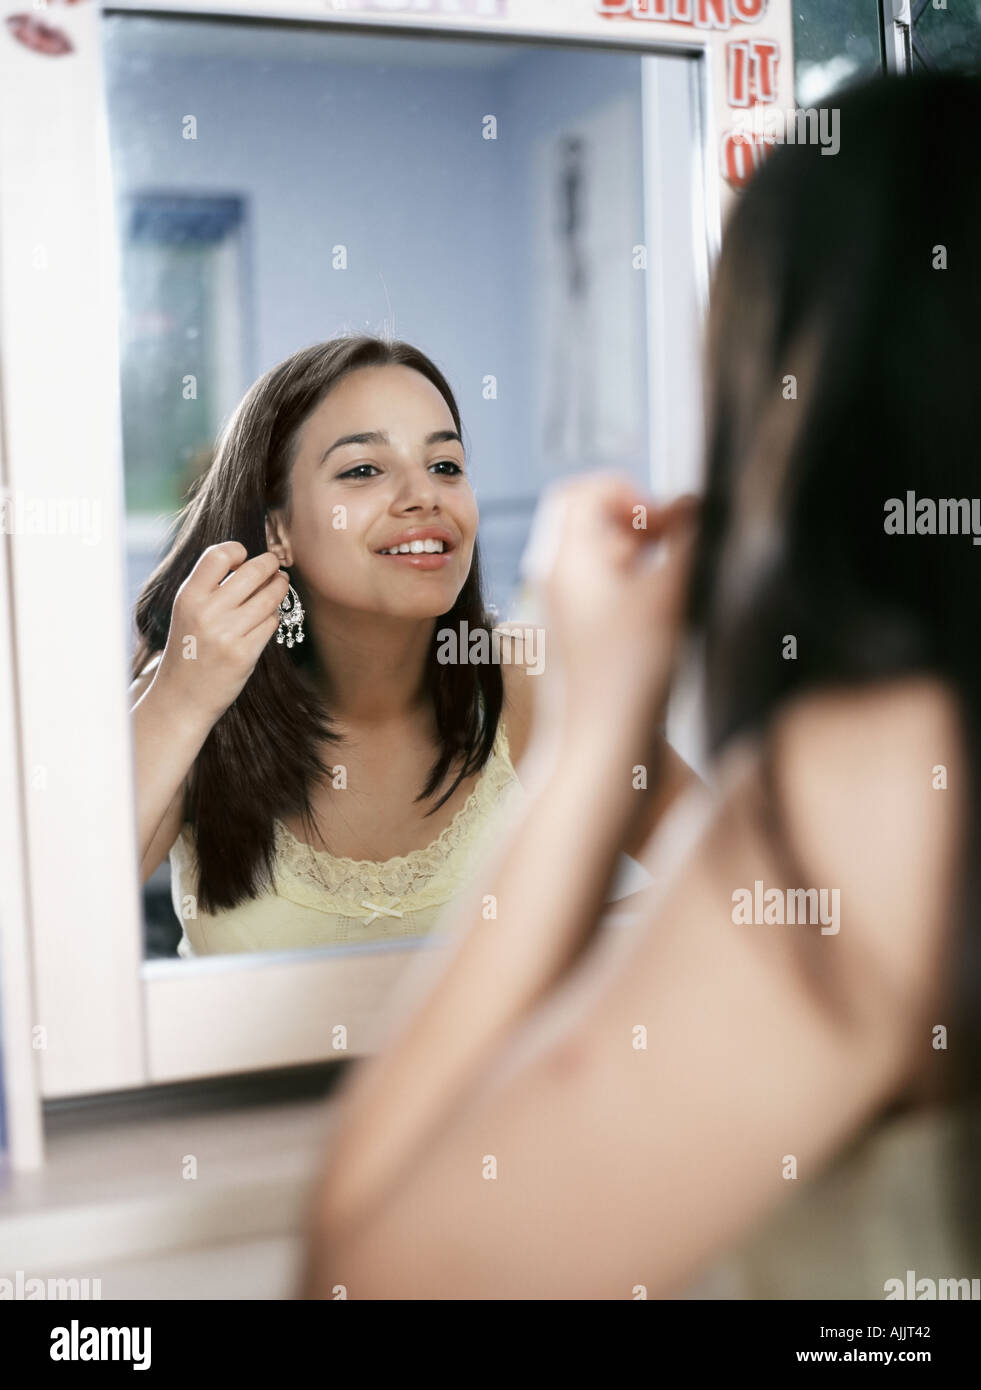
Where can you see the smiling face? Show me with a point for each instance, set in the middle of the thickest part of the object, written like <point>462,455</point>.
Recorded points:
<point>401,480</point>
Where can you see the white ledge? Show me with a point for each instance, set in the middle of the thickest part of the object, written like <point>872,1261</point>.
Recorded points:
<point>113,1188</point>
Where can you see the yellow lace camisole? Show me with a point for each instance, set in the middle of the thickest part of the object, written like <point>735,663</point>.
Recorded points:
<point>324,900</point>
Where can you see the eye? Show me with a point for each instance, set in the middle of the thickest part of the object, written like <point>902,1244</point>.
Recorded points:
<point>352,471</point>
<point>449,463</point>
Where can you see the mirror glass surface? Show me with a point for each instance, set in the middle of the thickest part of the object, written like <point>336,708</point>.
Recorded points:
<point>488,201</point>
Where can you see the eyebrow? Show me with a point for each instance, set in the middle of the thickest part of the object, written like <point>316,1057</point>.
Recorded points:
<point>379,437</point>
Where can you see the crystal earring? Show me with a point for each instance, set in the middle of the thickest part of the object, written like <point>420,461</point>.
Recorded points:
<point>291,619</point>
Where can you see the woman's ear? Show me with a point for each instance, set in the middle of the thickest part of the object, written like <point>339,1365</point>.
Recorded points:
<point>277,539</point>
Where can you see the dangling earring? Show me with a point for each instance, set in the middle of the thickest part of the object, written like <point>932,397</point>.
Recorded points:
<point>292,619</point>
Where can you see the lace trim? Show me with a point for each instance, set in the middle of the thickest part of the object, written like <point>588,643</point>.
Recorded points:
<point>423,878</point>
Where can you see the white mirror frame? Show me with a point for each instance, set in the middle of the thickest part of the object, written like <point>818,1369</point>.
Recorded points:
<point>102,1019</point>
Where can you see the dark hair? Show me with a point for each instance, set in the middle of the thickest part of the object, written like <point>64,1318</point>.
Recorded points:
<point>856,274</point>
<point>260,760</point>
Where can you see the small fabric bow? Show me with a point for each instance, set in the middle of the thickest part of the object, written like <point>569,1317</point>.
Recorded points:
<point>378,911</point>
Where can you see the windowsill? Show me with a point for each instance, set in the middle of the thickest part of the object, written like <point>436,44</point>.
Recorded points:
<point>113,1186</point>
<point>112,1201</point>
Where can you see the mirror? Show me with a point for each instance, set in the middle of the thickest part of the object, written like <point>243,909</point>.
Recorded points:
<point>525,215</point>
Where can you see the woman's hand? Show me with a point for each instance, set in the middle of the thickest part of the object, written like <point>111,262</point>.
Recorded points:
<point>612,567</point>
<point>219,627</point>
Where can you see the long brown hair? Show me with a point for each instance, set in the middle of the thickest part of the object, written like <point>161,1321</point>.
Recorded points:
<point>260,761</point>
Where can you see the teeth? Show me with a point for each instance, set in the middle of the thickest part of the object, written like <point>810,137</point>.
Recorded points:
<point>427,547</point>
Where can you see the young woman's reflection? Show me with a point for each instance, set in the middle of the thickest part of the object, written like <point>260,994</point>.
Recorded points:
<point>331,789</point>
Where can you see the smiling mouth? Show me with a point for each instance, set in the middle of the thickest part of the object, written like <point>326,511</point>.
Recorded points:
<point>427,547</point>
<point>419,556</point>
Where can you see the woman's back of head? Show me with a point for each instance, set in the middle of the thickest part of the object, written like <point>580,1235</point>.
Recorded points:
<point>844,354</point>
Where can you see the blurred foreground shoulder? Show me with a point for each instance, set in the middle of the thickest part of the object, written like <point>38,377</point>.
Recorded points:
<point>871,785</point>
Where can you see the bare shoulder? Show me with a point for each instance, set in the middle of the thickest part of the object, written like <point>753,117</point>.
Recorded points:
<point>920,708</point>
<point>520,658</point>
<point>871,791</point>
<point>894,748</point>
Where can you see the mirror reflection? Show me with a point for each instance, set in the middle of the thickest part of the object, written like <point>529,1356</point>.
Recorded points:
<point>377,293</point>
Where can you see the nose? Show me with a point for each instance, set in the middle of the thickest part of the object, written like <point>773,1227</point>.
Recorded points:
<point>417,492</point>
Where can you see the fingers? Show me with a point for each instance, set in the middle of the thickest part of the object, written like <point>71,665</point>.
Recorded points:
<point>603,499</point>
<point>264,603</point>
<point>670,558</point>
<point>249,578</point>
<point>213,565</point>
<point>226,572</point>
<point>650,519</point>
<point>680,513</point>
